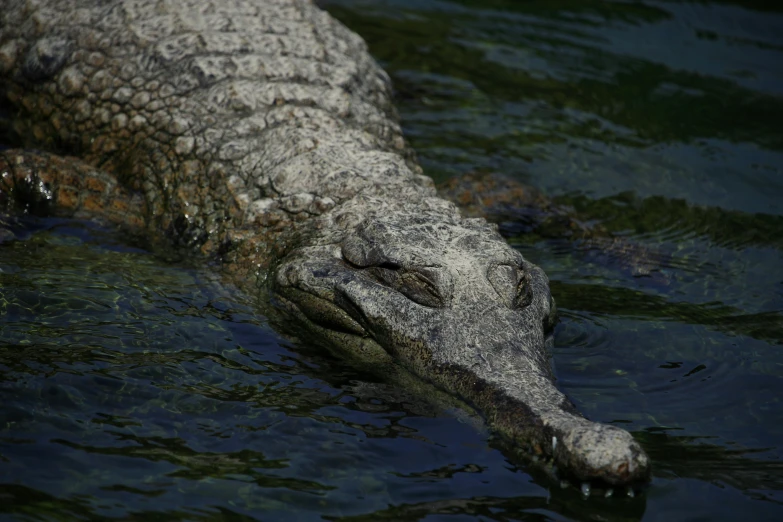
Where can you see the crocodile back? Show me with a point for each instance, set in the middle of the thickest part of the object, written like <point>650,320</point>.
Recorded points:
<point>218,111</point>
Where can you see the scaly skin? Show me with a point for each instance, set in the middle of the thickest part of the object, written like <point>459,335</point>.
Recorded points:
<point>262,132</point>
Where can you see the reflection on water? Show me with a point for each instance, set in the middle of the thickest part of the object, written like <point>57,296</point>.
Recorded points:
<point>131,388</point>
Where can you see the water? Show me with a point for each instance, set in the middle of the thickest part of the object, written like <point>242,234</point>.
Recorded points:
<point>132,388</point>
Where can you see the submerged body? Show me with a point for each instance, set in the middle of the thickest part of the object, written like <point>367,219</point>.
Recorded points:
<point>262,134</point>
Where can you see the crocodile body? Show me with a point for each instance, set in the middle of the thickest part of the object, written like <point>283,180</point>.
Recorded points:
<point>261,133</point>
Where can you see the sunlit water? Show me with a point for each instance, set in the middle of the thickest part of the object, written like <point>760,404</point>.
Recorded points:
<point>131,388</point>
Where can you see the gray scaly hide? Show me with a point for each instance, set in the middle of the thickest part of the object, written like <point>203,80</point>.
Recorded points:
<point>261,131</point>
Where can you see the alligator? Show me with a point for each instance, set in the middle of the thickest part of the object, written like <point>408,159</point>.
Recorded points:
<point>261,135</point>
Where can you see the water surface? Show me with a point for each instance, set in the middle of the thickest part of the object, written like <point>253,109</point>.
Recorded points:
<point>133,388</point>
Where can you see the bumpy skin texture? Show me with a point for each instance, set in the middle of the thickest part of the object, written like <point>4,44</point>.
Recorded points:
<point>262,132</point>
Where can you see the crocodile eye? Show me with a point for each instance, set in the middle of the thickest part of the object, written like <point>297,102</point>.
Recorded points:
<point>524,291</point>
<point>423,285</point>
<point>512,285</point>
<point>386,273</point>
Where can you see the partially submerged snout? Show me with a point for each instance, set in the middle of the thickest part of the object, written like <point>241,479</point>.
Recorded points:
<point>590,451</point>
<point>456,306</point>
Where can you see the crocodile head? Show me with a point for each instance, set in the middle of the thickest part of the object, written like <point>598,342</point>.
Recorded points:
<point>456,306</point>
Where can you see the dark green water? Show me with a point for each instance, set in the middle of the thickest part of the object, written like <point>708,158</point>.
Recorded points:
<point>133,389</point>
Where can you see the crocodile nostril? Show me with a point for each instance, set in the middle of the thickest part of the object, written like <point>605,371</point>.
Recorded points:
<point>512,285</point>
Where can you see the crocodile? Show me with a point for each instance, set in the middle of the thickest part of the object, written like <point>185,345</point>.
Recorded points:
<point>261,135</point>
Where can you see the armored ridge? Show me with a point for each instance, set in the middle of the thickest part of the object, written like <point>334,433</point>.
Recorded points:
<point>262,132</point>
